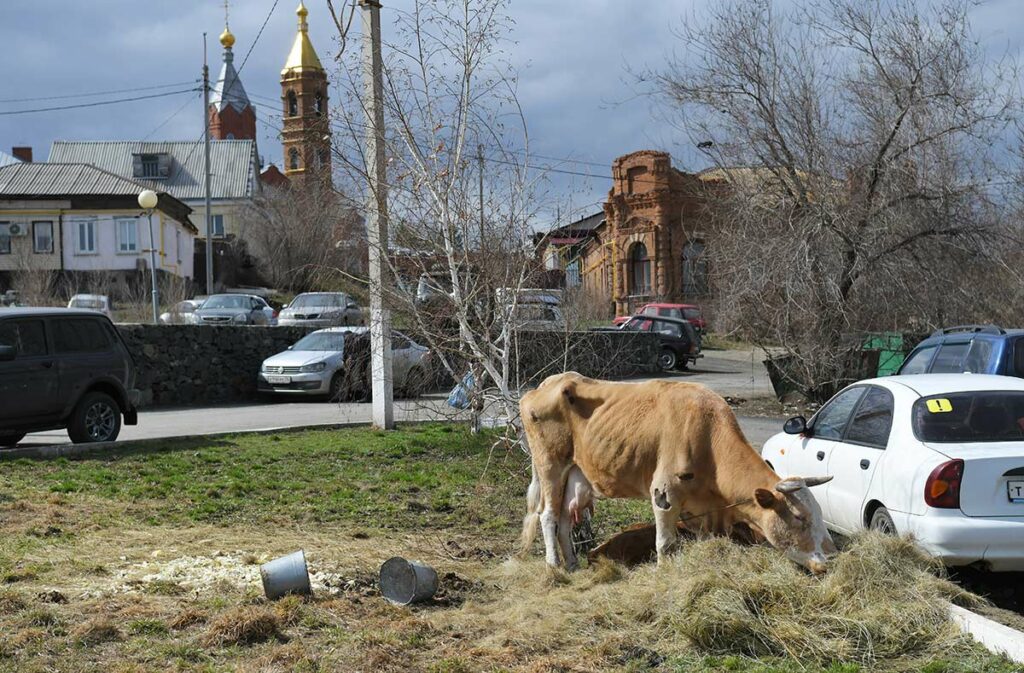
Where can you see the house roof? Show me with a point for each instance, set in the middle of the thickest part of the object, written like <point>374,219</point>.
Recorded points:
<point>26,180</point>
<point>8,159</point>
<point>231,163</point>
<point>64,179</point>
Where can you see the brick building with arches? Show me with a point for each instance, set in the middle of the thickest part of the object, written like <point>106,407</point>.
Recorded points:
<point>649,243</point>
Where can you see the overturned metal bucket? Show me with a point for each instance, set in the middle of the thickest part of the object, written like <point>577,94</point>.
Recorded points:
<point>286,575</point>
<point>403,582</point>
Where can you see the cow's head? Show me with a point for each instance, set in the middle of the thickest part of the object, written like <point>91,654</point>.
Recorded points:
<point>791,520</point>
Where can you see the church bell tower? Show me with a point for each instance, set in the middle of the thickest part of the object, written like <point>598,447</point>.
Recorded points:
<point>305,133</point>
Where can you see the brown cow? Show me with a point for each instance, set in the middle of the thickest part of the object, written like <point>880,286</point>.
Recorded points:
<point>676,443</point>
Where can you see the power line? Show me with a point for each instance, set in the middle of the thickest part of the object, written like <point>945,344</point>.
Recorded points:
<point>94,103</point>
<point>96,93</point>
<point>253,45</point>
<point>167,121</point>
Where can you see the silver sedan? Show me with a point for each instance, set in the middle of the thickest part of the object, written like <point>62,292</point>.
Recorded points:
<point>315,365</point>
<point>321,309</point>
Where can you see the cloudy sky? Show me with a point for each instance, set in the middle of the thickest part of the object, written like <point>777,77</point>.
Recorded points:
<point>572,56</point>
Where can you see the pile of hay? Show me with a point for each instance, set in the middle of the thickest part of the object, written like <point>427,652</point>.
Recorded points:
<point>882,605</point>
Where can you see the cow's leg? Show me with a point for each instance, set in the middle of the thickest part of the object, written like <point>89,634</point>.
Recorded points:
<point>666,502</point>
<point>565,539</point>
<point>552,483</point>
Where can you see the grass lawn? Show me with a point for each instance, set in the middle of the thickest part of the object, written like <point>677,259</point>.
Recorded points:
<point>146,559</point>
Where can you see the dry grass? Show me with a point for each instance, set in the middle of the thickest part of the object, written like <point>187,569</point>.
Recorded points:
<point>95,631</point>
<point>882,606</point>
<point>242,626</point>
<point>188,617</point>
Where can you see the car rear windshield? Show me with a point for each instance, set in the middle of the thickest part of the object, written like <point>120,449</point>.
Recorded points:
<point>327,341</point>
<point>318,300</point>
<point>982,416</point>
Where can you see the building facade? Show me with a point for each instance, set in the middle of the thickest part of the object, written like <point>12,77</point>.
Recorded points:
<point>68,218</point>
<point>649,242</point>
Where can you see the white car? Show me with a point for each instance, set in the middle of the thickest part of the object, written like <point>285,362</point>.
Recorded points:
<point>938,456</point>
<point>314,365</point>
<point>93,302</point>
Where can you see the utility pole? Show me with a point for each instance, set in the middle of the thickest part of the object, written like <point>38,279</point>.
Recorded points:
<point>377,218</point>
<point>206,172</point>
<point>480,159</point>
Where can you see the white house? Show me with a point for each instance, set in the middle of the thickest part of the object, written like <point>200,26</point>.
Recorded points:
<point>66,217</point>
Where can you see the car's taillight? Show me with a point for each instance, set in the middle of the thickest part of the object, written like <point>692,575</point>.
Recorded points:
<point>942,489</point>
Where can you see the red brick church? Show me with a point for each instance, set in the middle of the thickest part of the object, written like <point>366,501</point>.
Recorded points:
<point>649,241</point>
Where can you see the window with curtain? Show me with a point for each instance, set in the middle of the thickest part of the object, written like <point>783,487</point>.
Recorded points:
<point>127,235</point>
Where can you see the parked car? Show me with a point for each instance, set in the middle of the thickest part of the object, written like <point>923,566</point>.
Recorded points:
<point>321,309</point>
<point>93,302</point>
<point>978,349</point>
<point>689,312</point>
<point>535,308</point>
<point>182,313</point>
<point>63,368</point>
<point>314,365</point>
<point>938,456</point>
<point>234,309</point>
<point>680,343</point>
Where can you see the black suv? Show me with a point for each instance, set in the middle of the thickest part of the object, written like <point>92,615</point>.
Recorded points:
<point>63,368</point>
<point>679,340</point>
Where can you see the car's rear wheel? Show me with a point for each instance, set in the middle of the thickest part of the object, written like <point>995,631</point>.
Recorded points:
<point>667,360</point>
<point>882,522</point>
<point>9,440</point>
<point>96,418</point>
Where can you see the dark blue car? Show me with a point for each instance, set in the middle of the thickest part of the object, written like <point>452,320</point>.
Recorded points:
<point>979,349</point>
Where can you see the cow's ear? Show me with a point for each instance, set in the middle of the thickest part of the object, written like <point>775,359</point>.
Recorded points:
<point>569,392</point>
<point>764,498</point>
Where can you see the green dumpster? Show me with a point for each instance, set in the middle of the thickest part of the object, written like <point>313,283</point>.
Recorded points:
<point>889,346</point>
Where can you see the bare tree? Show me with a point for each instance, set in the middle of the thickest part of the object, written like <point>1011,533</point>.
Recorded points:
<point>858,146</point>
<point>300,234</point>
<point>460,254</point>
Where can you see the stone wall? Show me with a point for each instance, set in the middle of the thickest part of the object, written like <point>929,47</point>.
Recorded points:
<point>188,365</point>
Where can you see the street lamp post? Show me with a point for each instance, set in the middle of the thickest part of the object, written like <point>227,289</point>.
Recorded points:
<point>148,201</point>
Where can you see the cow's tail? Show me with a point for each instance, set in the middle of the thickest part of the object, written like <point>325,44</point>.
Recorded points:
<point>534,506</point>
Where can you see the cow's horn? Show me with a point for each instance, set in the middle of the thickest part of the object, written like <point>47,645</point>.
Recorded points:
<point>817,481</point>
<point>789,485</point>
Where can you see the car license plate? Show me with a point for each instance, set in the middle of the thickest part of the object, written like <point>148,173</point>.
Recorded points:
<point>1015,489</point>
<point>277,380</point>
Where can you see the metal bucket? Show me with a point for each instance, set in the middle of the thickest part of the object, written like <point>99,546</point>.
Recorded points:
<point>286,575</point>
<point>404,582</point>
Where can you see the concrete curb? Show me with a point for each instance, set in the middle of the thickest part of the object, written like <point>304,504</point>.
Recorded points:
<point>998,638</point>
<point>53,451</point>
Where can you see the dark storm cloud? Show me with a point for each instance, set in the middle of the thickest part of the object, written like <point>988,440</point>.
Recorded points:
<point>573,57</point>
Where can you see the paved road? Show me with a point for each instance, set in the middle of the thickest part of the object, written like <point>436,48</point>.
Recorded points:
<point>727,372</point>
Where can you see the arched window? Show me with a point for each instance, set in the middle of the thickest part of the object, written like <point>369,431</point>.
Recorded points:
<point>695,269</point>
<point>293,104</point>
<point>318,103</point>
<point>230,136</point>
<point>640,270</point>
<point>293,159</point>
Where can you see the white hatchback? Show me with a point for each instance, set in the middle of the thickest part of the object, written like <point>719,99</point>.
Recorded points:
<point>938,456</point>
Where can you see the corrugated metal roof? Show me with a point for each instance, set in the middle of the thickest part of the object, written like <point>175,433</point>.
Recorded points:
<point>231,163</point>
<point>64,179</point>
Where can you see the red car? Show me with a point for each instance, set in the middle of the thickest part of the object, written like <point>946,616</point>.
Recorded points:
<point>688,312</point>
